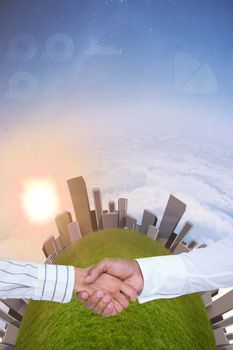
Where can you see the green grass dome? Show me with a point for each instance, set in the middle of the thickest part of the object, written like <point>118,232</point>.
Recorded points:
<point>178,324</point>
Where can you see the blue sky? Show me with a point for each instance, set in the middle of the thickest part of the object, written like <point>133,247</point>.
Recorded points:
<point>146,36</point>
<point>77,76</point>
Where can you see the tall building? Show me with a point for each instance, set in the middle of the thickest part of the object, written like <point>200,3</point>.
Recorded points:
<point>186,228</point>
<point>58,244</point>
<point>137,227</point>
<point>153,232</point>
<point>94,220</point>
<point>207,298</point>
<point>223,322</point>
<point>49,246</point>
<point>171,240</point>
<point>62,220</point>
<point>98,206</point>
<point>203,245</point>
<point>171,217</point>
<point>221,305</point>
<point>111,206</point>
<point>181,248</point>
<point>110,220</point>
<point>192,244</point>
<point>131,221</point>
<point>221,339</point>
<point>74,231</point>
<point>50,259</point>
<point>10,336</point>
<point>79,196</point>
<point>148,219</point>
<point>122,210</point>
<point>17,307</point>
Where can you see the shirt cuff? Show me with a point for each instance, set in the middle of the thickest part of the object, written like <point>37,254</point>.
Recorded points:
<point>164,277</point>
<point>54,283</point>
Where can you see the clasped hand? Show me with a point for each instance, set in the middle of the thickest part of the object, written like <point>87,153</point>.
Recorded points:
<point>107,287</point>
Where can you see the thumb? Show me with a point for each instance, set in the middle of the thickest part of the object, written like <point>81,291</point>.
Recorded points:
<point>96,270</point>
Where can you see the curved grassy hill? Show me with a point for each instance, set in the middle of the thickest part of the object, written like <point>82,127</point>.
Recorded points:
<point>179,323</point>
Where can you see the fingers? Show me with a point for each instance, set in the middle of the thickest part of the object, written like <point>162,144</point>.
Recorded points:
<point>101,303</point>
<point>82,296</point>
<point>118,306</point>
<point>128,291</point>
<point>97,270</point>
<point>109,310</point>
<point>104,304</point>
<point>121,299</point>
<point>91,302</point>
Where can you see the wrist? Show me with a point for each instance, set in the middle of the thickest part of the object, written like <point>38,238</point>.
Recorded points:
<point>139,275</point>
<point>80,274</point>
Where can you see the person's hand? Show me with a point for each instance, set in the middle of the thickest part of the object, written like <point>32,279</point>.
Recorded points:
<point>109,292</point>
<point>126,270</point>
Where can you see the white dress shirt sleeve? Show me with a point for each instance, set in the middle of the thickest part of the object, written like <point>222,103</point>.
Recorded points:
<point>200,270</point>
<point>21,280</point>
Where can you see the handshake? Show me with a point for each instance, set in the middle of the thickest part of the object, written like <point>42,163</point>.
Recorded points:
<point>107,287</point>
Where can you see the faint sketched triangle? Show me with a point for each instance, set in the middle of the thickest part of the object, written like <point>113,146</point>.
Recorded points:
<point>192,76</point>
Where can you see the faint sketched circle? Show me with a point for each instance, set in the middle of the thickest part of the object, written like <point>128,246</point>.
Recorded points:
<point>22,47</point>
<point>22,85</point>
<point>59,47</point>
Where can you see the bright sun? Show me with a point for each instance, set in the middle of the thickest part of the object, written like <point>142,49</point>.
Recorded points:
<point>40,200</point>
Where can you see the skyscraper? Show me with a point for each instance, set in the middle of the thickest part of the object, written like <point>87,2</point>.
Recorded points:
<point>186,228</point>
<point>79,196</point>
<point>111,206</point>
<point>130,222</point>
<point>122,210</point>
<point>74,231</point>
<point>170,240</point>
<point>220,306</point>
<point>94,220</point>
<point>192,244</point>
<point>58,244</point>
<point>181,248</point>
<point>153,232</point>
<point>98,206</point>
<point>171,217</point>
<point>110,220</point>
<point>49,246</point>
<point>148,219</point>
<point>62,220</point>
<point>203,245</point>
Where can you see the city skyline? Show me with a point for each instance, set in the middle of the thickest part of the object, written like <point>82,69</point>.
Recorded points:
<point>90,220</point>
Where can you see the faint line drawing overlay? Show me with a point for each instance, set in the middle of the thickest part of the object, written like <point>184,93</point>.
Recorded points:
<point>22,48</point>
<point>97,49</point>
<point>22,85</point>
<point>193,76</point>
<point>59,47</point>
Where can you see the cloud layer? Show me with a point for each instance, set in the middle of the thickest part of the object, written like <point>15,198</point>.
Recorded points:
<point>140,166</point>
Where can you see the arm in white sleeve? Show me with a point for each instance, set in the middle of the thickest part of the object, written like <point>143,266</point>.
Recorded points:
<point>200,270</point>
<point>21,280</point>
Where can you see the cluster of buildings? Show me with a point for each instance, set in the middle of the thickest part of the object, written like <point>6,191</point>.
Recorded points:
<point>116,215</point>
<point>11,315</point>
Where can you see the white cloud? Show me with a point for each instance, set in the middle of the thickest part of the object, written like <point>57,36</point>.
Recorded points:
<point>148,171</point>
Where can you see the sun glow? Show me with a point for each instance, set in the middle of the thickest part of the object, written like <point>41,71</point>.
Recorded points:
<point>39,200</point>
